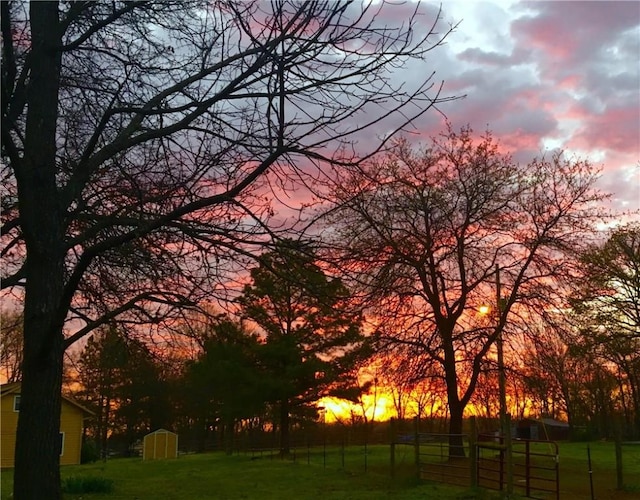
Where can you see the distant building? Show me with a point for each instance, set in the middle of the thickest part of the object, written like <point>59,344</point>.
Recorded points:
<point>72,416</point>
<point>160,444</point>
<point>544,429</point>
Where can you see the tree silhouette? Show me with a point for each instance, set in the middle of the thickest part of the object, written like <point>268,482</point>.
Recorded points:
<point>225,384</point>
<point>425,230</point>
<point>311,332</point>
<point>606,310</point>
<point>136,141</point>
<point>11,345</point>
<point>123,383</point>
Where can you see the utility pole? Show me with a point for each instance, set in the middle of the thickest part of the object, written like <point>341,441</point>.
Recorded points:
<point>501,375</point>
<point>505,418</point>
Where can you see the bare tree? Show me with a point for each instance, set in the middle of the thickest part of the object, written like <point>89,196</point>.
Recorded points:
<point>11,346</point>
<point>141,145</point>
<point>427,229</point>
<point>606,311</point>
<point>609,294</point>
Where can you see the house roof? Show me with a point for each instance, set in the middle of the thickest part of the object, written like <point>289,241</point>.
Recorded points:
<point>9,388</point>
<point>14,388</point>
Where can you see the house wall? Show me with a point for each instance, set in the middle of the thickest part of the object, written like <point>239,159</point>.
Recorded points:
<point>70,423</point>
<point>8,426</point>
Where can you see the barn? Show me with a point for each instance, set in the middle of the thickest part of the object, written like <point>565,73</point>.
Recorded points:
<point>160,444</point>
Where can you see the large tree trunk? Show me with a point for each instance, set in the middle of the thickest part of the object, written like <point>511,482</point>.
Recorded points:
<point>456,442</point>
<point>285,444</point>
<point>37,455</point>
<point>456,406</point>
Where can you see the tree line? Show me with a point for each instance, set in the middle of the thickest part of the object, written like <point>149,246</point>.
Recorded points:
<point>298,333</point>
<point>265,367</point>
<point>149,150</point>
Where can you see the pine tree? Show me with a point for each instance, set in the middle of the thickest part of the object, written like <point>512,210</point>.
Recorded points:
<point>312,335</point>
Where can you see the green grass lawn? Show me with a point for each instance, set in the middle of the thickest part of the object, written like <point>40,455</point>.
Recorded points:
<point>574,470</point>
<point>314,475</point>
<point>217,476</point>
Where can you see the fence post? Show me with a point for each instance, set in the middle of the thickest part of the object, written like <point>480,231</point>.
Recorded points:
<point>557,467</point>
<point>392,439</point>
<point>590,472</point>
<point>618,443</point>
<point>502,478</point>
<point>365,450</point>
<point>416,444</point>
<point>324,439</point>
<point>527,467</point>
<point>473,452</point>
<point>509,450</point>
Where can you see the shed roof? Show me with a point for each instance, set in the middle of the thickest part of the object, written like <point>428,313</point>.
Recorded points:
<point>551,422</point>
<point>160,431</point>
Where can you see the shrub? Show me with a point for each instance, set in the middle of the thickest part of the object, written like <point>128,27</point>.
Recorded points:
<point>89,452</point>
<point>87,484</point>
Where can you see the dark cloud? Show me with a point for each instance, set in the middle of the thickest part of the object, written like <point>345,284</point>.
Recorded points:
<point>540,75</point>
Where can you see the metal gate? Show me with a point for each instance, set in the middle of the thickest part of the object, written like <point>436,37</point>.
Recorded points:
<point>535,466</point>
<point>441,461</point>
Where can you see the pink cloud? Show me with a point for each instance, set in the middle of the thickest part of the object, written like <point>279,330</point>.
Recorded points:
<point>566,71</point>
<point>572,29</point>
<point>570,82</point>
<point>616,128</point>
<point>545,34</point>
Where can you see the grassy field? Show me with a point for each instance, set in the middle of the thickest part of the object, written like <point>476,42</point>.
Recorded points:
<point>574,471</point>
<point>217,476</point>
<point>315,475</point>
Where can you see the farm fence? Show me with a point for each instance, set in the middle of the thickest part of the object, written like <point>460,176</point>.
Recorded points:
<point>527,467</point>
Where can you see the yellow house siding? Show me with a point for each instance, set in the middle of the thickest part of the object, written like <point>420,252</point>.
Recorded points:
<point>8,426</point>
<point>71,424</point>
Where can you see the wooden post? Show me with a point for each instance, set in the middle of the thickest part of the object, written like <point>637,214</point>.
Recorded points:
<point>527,467</point>
<point>365,451</point>
<point>473,452</point>
<point>618,443</point>
<point>501,474</point>
<point>392,439</point>
<point>416,444</point>
<point>590,473</point>
<point>509,454</point>
<point>505,418</point>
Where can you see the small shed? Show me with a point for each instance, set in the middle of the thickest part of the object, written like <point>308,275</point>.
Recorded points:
<point>160,444</point>
<point>544,429</point>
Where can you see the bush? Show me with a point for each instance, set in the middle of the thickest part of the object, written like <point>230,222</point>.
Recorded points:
<point>89,452</point>
<point>87,484</point>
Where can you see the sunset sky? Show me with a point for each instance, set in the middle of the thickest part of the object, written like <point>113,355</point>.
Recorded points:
<point>544,75</point>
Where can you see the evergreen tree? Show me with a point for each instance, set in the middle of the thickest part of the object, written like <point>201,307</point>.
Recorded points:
<point>312,335</point>
<point>124,385</point>
<point>224,384</point>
